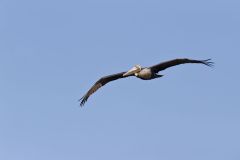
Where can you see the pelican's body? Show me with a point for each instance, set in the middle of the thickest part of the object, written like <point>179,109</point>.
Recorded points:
<point>142,73</point>
<point>147,73</point>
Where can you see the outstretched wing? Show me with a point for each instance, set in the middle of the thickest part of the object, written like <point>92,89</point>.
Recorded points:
<point>101,82</point>
<point>171,63</point>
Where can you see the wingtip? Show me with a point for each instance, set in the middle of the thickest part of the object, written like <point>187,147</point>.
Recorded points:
<point>208,62</point>
<point>82,102</point>
<point>81,105</point>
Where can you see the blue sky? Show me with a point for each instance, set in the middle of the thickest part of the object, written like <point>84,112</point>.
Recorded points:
<point>52,51</point>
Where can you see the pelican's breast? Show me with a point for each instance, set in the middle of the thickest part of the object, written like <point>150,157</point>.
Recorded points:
<point>146,73</point>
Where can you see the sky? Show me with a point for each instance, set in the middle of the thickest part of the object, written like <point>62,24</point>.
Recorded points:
<point>53,51</point>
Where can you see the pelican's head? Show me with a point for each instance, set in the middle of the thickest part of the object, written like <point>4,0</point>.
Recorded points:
<point>136,69</point>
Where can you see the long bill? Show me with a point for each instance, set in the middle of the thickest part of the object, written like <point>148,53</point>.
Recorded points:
<point>132,71</point>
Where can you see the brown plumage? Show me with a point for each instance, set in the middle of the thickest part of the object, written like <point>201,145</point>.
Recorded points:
<point>147,73</point>
<point>101,82</point>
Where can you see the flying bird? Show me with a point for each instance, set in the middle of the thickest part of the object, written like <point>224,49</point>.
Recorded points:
<point>144,73</point>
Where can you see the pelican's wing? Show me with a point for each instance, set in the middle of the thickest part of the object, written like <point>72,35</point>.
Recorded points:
<point>171,63</point>
<point>101,82</point>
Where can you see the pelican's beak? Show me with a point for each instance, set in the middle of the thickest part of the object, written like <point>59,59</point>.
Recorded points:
<point>132,71</point>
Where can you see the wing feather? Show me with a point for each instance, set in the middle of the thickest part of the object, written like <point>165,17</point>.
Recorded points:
<point>101,82</point>
<point>171,63</point>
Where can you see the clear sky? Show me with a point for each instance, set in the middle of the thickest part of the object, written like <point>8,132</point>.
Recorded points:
<point>52,51</point>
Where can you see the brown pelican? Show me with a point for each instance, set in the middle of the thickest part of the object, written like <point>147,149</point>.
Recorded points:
<point>144,73</point>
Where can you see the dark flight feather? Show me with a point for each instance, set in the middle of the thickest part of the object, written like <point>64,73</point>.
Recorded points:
<point>101,82</point>
<point>171,63</point>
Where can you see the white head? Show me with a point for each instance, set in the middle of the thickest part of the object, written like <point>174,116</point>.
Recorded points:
<point>136,69</point>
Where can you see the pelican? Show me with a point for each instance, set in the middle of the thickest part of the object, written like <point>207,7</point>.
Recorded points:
<point>144,73</point>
